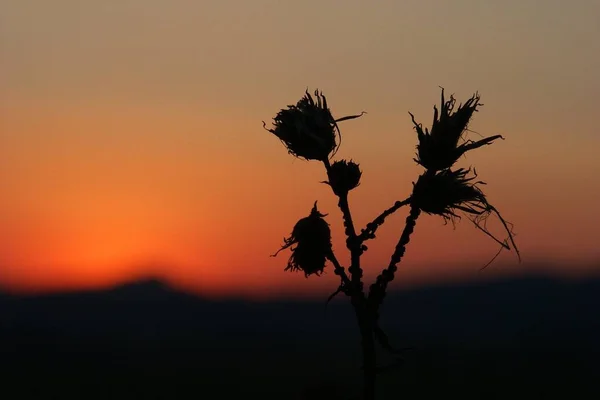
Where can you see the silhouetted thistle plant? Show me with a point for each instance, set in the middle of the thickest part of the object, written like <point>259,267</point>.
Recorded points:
<point>309,131</point>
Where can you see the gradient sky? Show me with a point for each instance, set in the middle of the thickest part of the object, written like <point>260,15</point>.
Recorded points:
<point>131,141</point>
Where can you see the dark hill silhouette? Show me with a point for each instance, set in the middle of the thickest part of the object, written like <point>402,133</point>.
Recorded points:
<point>148,338</point>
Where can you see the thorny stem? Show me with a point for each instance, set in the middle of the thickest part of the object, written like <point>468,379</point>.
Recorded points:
<point>352,242</point>
<point>377,292</point>
<point>339,270</point>
<point>362,310</point>
<point>378,288</point>
<point>369,231</point>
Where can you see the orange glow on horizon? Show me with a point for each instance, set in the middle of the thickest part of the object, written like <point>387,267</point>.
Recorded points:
<point>139,150</point>
<point>87,214</point>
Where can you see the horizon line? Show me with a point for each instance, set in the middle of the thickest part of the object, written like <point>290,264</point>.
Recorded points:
<point>283,293</point>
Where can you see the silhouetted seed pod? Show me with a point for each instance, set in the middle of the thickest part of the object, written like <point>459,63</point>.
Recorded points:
<point>440,149</point>
<point>344,176</point>
<point>445,192</point>
<point>311,238</point>
<point>308,129</point>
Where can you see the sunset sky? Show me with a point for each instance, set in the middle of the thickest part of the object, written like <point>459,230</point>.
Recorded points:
<point>131,141</point>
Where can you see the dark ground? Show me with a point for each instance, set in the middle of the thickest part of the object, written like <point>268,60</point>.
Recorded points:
<point>531,338</point>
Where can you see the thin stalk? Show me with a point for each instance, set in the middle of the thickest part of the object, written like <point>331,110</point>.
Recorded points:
<point>362,310</point>
<point>369,231</point>
<point>369,355</point>
<point>338,269</point>
<point>352,242</point>
<point>377,291</point>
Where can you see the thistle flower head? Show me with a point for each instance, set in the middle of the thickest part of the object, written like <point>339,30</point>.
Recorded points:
<point>343,176</point>
<point>446,192</point>
<point>439,148</point>
<point>310,243</point>
<point>308,129</point>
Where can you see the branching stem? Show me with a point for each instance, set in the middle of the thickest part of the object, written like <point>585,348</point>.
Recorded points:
<point>339,270</point>
<point>352,242</point>
<point>369,231</point>
<point>378,289</point>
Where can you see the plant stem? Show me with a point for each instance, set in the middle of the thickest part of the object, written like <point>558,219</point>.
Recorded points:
<point>364,314</point>
<point>369,231</point>
<point>352,242</point>
<point>339,270</point>
<point>353,245</point>
<point>377,291</point>
<point>368,350</point>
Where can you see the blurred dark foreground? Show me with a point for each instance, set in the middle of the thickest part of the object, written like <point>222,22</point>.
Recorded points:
<point>531,338</point>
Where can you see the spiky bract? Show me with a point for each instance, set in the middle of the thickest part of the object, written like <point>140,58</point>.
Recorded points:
<point>439,148</point>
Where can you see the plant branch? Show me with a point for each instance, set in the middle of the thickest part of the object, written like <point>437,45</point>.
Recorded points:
<point>338,269</point>
<point>352,242</point>
<point>377,291</point>
<point>369,231</point>
<point>369,367</point>
<point>346,285</point>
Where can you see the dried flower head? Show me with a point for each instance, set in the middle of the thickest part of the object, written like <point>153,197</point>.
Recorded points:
<point>312,239</point>
<point>343,176</point>
<point>446,192</point>
<point>308,129</point>
<point>440,148</point>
